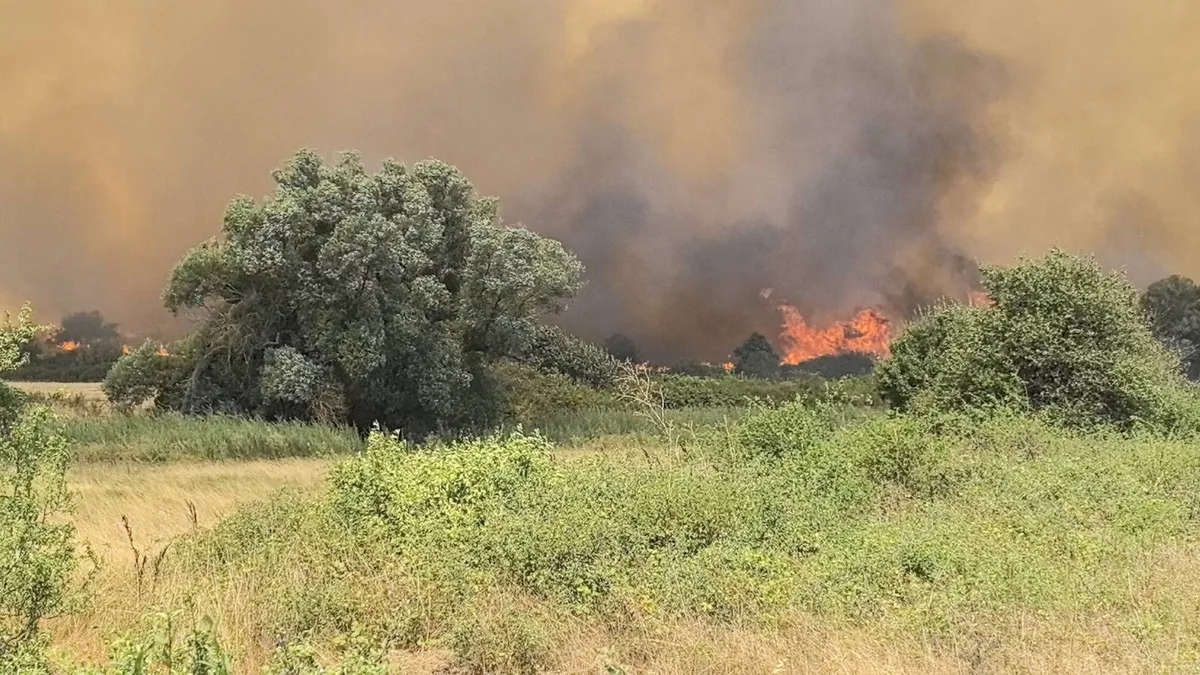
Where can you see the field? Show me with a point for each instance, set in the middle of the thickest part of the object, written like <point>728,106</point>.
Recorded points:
<point>794,541</point>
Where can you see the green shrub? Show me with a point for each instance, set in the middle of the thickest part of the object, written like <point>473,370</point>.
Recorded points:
<point>532,395</point>
<point>37,550</point>
<point>1062,337</point>
<point>402,488</point>
<point>686,391</point>
<point>497,637</point>
<point>145,375</point>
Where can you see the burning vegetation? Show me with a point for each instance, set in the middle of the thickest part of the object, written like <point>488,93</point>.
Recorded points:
<point>867,333</point>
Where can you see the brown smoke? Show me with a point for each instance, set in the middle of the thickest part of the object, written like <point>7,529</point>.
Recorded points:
<point>846,153</point>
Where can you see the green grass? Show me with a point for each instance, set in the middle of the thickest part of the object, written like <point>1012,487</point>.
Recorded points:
<point>585,425</point>
<point>977,544</point>
<point>167,438</point>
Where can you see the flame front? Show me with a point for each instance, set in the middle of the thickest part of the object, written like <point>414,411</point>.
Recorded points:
<point>867,333</point>
<point>68,346</point>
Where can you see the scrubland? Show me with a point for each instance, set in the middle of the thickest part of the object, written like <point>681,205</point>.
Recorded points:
<point>807,537</point>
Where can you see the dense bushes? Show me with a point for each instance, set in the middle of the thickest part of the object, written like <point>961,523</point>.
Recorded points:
<point>491,544</point>
<point>37,552</point>
<point>1061,337</point>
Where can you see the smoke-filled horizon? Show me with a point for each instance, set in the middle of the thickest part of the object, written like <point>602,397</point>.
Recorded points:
<point>846,154</point>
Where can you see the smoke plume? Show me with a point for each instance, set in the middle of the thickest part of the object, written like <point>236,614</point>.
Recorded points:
<point>844,153</point>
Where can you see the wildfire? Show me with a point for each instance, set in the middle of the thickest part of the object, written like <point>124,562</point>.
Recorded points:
<point>68,346</point>
<point>978,298</point>
<point>868,333</point>
<point>127,350</point>
<point>728,366</point>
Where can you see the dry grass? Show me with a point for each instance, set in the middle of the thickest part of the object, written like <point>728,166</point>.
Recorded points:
<point>155,500</point>
<point>159,503</point>
<point>89,390</point>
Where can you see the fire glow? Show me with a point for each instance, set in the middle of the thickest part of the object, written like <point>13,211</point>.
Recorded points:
<point>867,333</point>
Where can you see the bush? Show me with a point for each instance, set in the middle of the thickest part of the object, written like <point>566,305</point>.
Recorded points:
<point>686,391</point>
<point>37,550</point>
<point>89,363</point>
<point>144,375</point>
<point>1062,337</point>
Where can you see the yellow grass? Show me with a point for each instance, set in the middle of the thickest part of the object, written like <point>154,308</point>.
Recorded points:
<point>88,390</point>
<point>157,501</point>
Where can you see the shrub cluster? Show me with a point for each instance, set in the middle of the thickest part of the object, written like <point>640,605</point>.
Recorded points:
<point>37,549</point>
<point>1060,337</point>
<point>487,544</point>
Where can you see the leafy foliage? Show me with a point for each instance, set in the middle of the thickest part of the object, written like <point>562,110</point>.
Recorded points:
<point>851,364</point>
<point>369,298</point>
<point>1061,337</point>
<point>1173,306</point>
<point>756,357</point>
<point>37,552</point>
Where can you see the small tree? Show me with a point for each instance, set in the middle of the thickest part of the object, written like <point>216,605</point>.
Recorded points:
<point>756,358</point>
<point>1062,336</point>
<point>1173,308</point>
<point>37,554</point>
<point>622,348</point>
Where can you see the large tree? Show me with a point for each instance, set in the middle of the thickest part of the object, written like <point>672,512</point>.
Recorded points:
<point>374,298</point>
<point>1173,308</point>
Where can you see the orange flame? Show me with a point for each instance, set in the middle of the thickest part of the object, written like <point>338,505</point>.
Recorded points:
<point>979,298</point>
<point>162,351</point>
<point>126,350</point>
<point>728,366</point>
<point>68,346</point>
<point>868,333</point>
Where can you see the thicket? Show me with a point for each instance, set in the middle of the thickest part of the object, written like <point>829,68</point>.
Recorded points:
<point>37,551</point>
<point>491,546</point>
<point>532,396</point>
<point>1061,337</point>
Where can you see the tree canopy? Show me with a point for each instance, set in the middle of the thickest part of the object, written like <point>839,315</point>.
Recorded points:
<point>756,357</point>
<point>1062,336</point>
<point>367,297</point>
<point>1173,307</point>
<point>89,328</point>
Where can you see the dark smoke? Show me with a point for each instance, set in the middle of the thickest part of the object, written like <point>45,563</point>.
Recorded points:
<point>861,138</point>
<point>847,154</point>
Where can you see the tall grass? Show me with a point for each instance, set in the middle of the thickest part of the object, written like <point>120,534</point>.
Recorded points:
<point>570,428</point>
<point>928,544</point>
<point>167,438</point>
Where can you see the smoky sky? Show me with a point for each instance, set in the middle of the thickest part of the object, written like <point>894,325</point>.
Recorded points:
<point>846,154</point>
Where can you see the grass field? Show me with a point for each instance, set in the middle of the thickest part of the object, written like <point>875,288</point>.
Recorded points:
<point>729,541</point>
<point>89,391</point>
